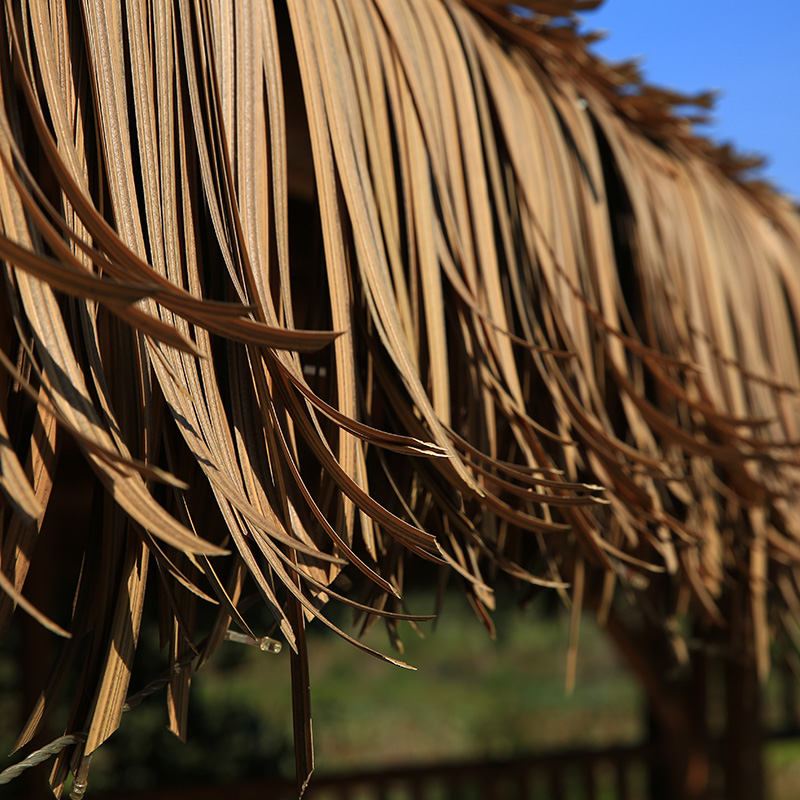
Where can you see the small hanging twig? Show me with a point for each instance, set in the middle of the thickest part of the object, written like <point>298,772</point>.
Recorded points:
<point>81,782</point>
<point>265,643</point>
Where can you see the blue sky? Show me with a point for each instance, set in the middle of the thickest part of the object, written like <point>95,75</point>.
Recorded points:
<point>748,51</point>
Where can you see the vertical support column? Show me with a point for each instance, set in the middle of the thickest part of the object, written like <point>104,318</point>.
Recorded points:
<point>744,767</point>
<point>678,705</point>
<point>659,779</point>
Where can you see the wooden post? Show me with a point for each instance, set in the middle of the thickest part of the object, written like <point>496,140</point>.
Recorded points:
<point>678,705</point>
<point>659,781</point>
<point>744,768</point>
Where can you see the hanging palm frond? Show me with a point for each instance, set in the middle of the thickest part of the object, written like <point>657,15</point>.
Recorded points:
<point>347,284</point>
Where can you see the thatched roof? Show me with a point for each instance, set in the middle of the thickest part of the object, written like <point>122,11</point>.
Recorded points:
<point>371,282</point>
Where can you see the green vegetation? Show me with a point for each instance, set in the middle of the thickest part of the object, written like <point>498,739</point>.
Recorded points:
<point>469,698</point>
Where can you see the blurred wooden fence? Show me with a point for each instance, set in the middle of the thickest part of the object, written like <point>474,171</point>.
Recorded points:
<point>618,772</point>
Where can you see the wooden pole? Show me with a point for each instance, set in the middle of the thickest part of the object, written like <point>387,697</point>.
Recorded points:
<point>744,768</point>
<point>678,706</point>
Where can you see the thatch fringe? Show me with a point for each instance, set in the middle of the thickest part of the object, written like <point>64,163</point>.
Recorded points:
<point>371,279</point>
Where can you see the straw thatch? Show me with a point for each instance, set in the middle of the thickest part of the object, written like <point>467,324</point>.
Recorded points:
<point>354,283</point>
